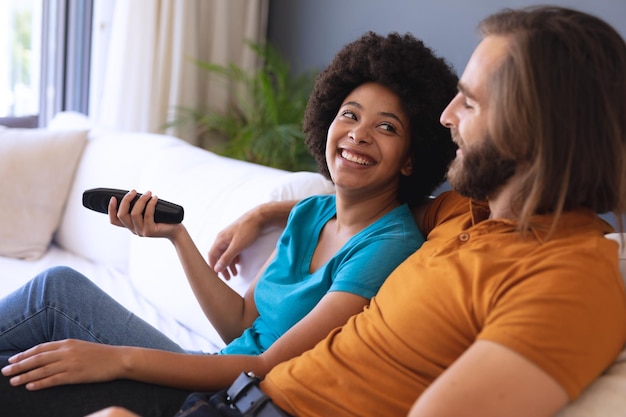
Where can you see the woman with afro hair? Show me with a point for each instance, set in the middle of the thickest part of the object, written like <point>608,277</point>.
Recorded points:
<point>372,123</point>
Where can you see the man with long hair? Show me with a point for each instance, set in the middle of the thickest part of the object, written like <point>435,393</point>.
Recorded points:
<point>515,303</point>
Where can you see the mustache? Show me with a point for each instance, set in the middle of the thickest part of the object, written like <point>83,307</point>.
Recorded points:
<point>456,137</point>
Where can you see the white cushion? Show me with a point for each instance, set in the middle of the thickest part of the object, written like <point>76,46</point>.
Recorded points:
<point>605,397</point>
<point>620,238</point>
<point>36,171</point>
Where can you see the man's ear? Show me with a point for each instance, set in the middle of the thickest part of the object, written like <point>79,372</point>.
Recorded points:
<point>407,168</point>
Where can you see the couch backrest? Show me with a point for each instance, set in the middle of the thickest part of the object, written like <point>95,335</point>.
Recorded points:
<point>112,160</point>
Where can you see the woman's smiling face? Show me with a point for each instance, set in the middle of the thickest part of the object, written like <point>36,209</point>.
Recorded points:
<point>368,142</point>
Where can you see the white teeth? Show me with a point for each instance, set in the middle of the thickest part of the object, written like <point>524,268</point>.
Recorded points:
<point>355,158</point>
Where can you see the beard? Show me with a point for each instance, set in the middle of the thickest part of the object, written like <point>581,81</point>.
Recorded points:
<point>481,171</point>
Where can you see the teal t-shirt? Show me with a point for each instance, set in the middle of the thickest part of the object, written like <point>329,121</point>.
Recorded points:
<point>287,291</point>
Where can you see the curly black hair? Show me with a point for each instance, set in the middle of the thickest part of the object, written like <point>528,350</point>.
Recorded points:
<point>425,85</point>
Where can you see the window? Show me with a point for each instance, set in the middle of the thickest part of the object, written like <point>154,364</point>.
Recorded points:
<point>20,34</point>
<point>47,45</point>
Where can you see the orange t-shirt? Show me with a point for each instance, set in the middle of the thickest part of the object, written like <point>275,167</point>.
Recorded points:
<point>560,302</point>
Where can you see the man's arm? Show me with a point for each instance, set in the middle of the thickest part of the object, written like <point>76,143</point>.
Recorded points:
<point>491,380</point>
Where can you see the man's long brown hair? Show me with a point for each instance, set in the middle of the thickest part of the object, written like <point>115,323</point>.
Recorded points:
<point>560,97</point>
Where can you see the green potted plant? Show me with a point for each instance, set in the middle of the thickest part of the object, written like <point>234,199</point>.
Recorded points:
<point>264,122</point>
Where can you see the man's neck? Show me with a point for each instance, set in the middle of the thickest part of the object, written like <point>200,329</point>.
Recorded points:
<point>501,203</point>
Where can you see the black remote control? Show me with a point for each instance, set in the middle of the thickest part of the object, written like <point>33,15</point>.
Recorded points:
<point>97,199</point>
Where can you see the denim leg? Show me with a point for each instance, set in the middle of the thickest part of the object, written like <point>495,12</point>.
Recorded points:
<point>60,303</point>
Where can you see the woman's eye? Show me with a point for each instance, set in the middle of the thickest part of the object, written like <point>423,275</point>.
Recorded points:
<point>388,127</point>
<point>467,105</point>
<point>348,114</point>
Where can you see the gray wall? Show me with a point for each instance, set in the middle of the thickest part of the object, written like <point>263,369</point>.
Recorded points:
<point>310,32</point>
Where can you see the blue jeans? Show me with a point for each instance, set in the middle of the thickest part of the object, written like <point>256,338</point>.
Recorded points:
<point>60,303</point>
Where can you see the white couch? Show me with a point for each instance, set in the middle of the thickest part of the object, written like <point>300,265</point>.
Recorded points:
<point>143,273</point>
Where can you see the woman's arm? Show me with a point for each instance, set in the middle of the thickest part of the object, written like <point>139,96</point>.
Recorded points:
<point>332,311</point>
<point>229,313</point>
<point>230,242</point>
<point>214,372</point>
<point>75,361</point>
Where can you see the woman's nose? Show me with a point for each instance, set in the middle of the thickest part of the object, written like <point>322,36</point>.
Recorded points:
<point>359,135</point>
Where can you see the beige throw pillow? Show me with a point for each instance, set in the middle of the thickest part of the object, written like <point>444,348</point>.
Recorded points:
<point>36,172</point>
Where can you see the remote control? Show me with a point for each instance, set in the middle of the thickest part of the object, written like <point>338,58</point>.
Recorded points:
<point>97,199</point>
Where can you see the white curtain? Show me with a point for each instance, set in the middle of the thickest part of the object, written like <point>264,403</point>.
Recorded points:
<point>142,65</point>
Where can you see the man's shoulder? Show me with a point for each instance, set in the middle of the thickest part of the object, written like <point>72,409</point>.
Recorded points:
<point>446,206</point>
